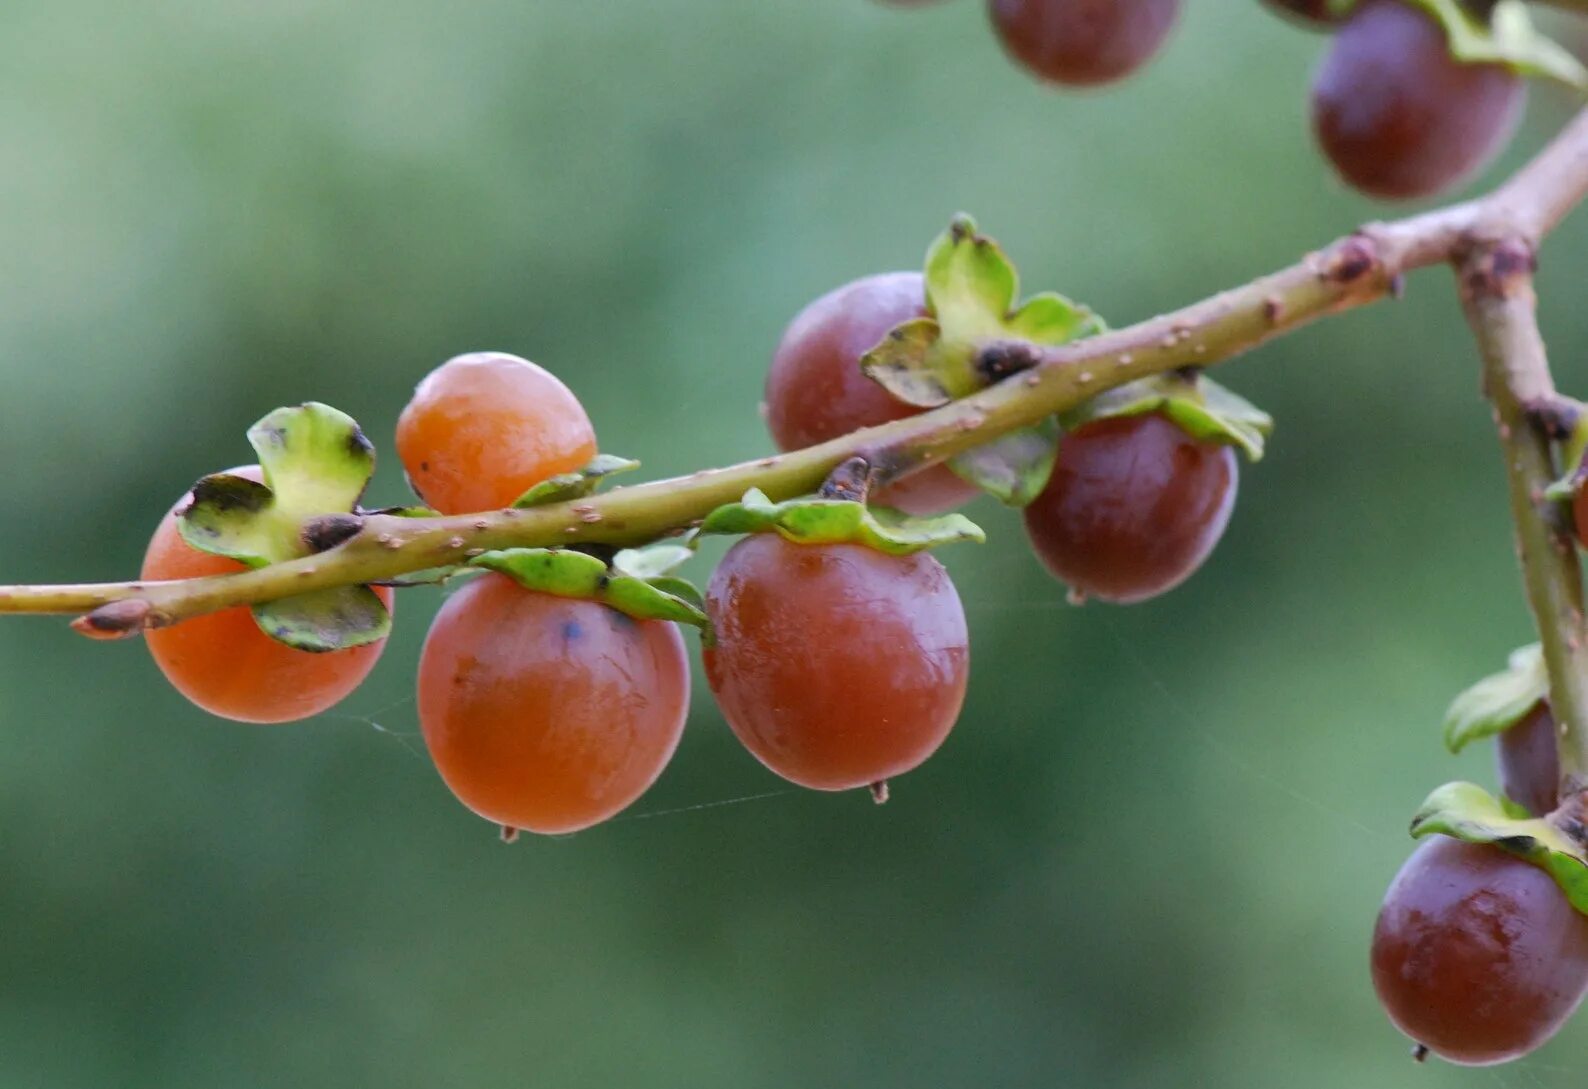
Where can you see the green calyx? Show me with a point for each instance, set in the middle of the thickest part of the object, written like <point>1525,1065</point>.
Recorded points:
<point>638,583</point>
<point>1469,813</point>
<point>1200,406</point>
<point>1506,37</point>
<point>577,484</point>
<point>972,293</point>
<point>975,313</point>
<point>1574,455</point>
<point>315,462</point>
<point>1499,701</point>
<point>840,521</point>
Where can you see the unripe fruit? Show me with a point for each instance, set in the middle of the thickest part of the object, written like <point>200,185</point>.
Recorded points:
<point>224,663</point>
<point>836,665</point>
<point>815,389</point>
<point>1397,115</point>
<point>1082,42</point>
<point>1133,508</point>
<point>482,429</point>
<point>545,713</point>
<point>1478,955</point>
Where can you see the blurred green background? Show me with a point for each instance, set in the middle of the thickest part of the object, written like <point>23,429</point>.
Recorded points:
<point>1150,854</point>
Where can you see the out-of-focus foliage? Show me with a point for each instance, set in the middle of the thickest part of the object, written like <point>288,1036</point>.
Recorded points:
<point>1150,854</point>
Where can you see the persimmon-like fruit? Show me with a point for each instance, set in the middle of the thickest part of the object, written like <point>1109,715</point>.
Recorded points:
<point>482,429</point>
<point>816,391</point>
<point>1397,115</point>
<point>1528,758</point>
<point>548,714</point>
<point>1478,955</point>
<point>1082,42</point>
<point>837,666</point>
<point>224,663</point>
<point>1133,508</point>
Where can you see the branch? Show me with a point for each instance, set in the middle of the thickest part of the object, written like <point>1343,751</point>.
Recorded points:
<point>1497,295</point>
<point>1353,271</point>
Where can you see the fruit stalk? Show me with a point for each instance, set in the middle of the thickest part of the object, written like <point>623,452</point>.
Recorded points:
<point>1360,268</point>
<point>1496,284</point>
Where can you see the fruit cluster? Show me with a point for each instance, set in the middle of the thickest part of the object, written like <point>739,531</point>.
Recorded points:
<point>554,685</point>
<point>1414,96</point>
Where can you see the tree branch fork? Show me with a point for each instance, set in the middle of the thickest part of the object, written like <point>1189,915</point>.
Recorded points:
<point>1490,241</point>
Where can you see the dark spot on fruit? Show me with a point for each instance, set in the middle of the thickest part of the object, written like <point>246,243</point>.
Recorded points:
<point>571,630</point>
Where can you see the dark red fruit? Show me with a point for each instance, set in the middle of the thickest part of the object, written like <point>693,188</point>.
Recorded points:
<point>816,390</point>
<point>1579,515</point>
<point>1082,42</point>
<point>1477,954</point>
<point>1397,115</point>
<point>1134,507</point>
<point>1529,762</point>
<point>836,665</point>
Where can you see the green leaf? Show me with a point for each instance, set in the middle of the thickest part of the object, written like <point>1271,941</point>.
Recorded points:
<point>1469,813</point>
<point>971,290</point>
<point>1050,318</point>
<point>840,521</point>
<point>652,562</point>
<point>324,620</point>
<point>1508,37</point>
<point>906,364</point>
<point>230,516</point>
<point>970,285</point>
<point>567,573</point>
<point>1201,407</point>
<point>575,485</point>
<point>313,460</point>
<point>1014,468</point>
<point>1499,701</point>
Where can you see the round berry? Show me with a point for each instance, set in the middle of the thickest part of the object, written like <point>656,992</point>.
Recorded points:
<point>1397,115</point>
<point>548,714</point>
<point>1082,42</point>
<point>1579,515</point>
<point>1133,508</point>
<point>224,663</point>
<point>836,665</point>
<point>816,391</point>
<point>1529,762</point>
<point>483,429</point>
<point>1477,954</point>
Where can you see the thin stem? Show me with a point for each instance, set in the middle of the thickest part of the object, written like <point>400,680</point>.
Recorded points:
<point>1358,269</point>
<point>1497,296</point>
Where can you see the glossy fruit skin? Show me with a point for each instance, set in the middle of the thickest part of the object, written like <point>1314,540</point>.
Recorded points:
<point>837,666</point>
<point>548,714</point>
<point>1529,762</point>
<point>1397,115</point>
<point>482,429</point>
<point>222,661</point>
<point>1082,42</point>
<point>815,389</point>
<point>1477,954</point>
<point>1133,508</point>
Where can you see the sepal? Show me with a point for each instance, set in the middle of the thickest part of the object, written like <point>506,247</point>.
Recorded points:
<point>567,573</point>
<point>840,521</point>
<point>1499,701</point>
